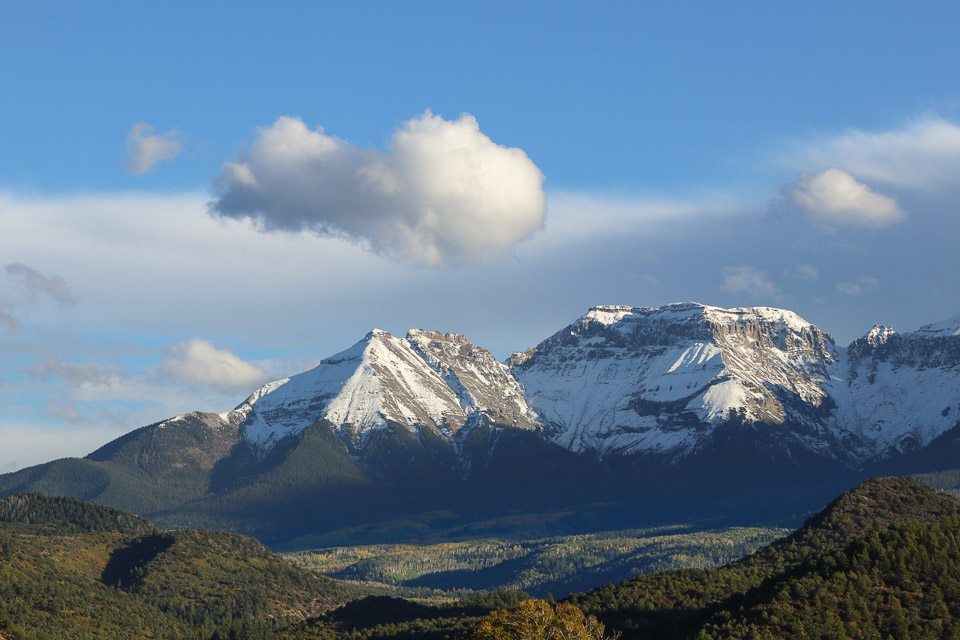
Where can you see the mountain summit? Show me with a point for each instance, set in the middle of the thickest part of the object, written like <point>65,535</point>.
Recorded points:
<point>624,380</point>
<point>435,385</point>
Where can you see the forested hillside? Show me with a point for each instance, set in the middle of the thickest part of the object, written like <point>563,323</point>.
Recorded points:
<point>70,569</point>
<point>853,569</point>
<point>882,560</point>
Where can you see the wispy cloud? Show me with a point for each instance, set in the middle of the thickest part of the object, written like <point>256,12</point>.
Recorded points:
<point>145,149</point>
<point>75,374</point>
<point>38,283</point>
<point>444,193</point>
<point>864,284</point>
<point>923,155</point>
<point>582,215</point>
<point>804,272</point>
<point>746,280</point>
<point>8,321</point>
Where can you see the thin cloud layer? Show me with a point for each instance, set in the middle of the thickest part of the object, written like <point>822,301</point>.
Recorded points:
<point>444,192</point>
<point>922,156</point>
<point>199,362</point>
<point>145,148</point>
<point>835,197</point>
<point>803,272</point>
<point>8,322</point>
<point>37,283</point>
<point>749,281</point>
<point>75,374</point>
<point>865,284</point>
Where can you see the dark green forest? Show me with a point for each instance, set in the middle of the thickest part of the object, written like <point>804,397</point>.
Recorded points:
<point>881,561</point>
<point>70,569</point>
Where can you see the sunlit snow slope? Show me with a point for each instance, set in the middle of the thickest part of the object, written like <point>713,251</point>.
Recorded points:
<point>427,380</point>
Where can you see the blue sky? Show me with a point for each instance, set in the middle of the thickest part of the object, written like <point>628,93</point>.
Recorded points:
<point>181,215</point>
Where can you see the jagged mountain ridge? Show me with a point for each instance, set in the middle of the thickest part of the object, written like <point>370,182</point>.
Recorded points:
<point>656,382</point>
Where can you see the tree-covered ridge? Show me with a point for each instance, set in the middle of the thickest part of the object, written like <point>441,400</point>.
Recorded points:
<point>541,566</point>
<point>64,583</point>
<point>690,603</point>
<point>879,502</point>
<point>233,573</point>
<point>903,582</point>
<point>37,513</point>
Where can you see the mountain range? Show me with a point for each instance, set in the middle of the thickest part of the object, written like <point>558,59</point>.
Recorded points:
<point>632,411</point>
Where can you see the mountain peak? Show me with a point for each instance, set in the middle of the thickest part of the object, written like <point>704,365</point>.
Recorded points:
<point>428,380</point>
<point>879,334</point>
<point>942,329</point>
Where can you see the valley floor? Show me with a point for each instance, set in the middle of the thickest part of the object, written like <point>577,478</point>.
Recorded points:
<point>540,567</point>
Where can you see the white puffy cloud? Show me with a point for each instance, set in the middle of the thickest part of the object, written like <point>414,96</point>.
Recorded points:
<point>835,197</point>
<point>197,361</point>
<point>923,155</point>
<point>747,280</point>
<point>864,284</point>
<point>145,148</point>
<point>443,193</point>
<point>36,282</point>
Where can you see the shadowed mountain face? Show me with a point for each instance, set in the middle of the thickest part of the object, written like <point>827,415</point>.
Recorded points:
<point>627,417</point>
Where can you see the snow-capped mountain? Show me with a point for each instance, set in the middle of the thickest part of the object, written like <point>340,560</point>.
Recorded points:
<point>626,380</point>
<point>684,411</point>
<point>897,392</point>
<point>426,382</point>
<point>636,380</point>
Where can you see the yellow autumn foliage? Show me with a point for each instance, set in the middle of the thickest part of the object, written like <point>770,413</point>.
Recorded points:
<point>538,620</point>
